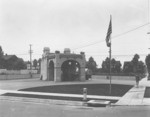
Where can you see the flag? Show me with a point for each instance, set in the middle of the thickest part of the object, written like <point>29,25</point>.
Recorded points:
<point>108,37</point>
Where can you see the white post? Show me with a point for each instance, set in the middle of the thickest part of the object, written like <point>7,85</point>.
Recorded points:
<point>84,94</point>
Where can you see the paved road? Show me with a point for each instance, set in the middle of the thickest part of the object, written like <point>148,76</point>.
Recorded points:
<point>23,109</point>
<point>29,109</point>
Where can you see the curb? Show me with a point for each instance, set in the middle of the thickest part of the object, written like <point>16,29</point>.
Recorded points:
<point>42,101</point>
<point>61,95</point>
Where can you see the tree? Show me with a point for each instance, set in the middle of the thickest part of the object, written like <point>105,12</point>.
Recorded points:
<point>118,67</point>
<point>128,67</point>
<point>135,61</point>
<point>10,62</point>
<point>1,52</point>
<point>147,61</point>
<point>1,58</point>
<point>141,68</point>
<point>35,63</point>
<point>115,66</point>
<point>106,65</point>
<point>19,64</point>
<point>39,63</point>
<point>134,66</point>
<point>91,64</point>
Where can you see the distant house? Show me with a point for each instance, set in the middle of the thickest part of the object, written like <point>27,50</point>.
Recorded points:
<point>10,57</point>
<point>8,61</point>
<point>116,67</point>
<point>12,62</point>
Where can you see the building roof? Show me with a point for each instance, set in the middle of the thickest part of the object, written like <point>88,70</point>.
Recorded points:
<point>7,57</point>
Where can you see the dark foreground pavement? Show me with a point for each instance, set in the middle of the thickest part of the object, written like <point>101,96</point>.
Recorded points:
<point>23,109</point>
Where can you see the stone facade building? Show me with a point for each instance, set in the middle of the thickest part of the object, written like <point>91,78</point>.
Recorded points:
<point>60,67</point>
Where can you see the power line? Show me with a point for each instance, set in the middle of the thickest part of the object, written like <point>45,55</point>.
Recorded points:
<point>124,33</point>
<point>118,55</point>
<point>89,44</point>
<point>116,36</point>
<point>96,54</point>
<point>27,54</point>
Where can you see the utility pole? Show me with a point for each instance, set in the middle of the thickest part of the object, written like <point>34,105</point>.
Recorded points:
<point>148,33</point>
<point>148,18</point>
<point>30,52</point>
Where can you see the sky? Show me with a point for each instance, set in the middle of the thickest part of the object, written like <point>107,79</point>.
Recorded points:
<point>80,25</point>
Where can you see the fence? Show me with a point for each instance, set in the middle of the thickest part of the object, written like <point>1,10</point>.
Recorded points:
<point>16,72</point>
<point>18,76</point>
<point>115,74</point>
<point>114,77</point>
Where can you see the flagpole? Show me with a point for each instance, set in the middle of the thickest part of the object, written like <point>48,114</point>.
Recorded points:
<point>108,42</point>
<point>110,63</point>
<point>110,67</point>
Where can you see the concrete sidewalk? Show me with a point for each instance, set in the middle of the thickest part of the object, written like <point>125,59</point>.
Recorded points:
<point>135,96</point>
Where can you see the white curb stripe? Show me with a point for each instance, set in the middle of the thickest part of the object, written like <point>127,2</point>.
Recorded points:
<point>63,95</point>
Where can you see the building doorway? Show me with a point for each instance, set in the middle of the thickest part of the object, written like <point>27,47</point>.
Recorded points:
<point>70,70</point>
<point>51,71</point>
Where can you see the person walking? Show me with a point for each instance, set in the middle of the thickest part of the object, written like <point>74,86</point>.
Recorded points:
<point>137,78</point>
